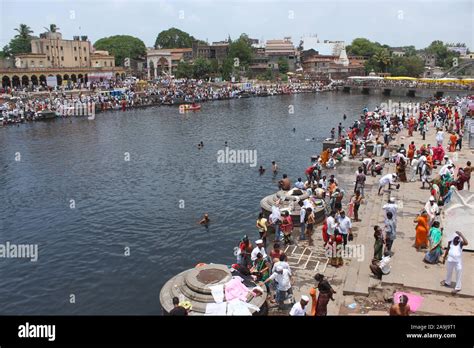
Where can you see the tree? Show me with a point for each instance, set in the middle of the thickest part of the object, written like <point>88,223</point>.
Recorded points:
<point>184,70</point>
<point>174,38</point>
<point>241,49</point>
<point>201,68</point>
<point>17,46</point>
<point>382,58</point>
<point>122,46</point>
<point>363,47</point>
<point>227,68</point>
<point>21,43</point>
<point>53,28</point>
<point>407,66</point>
<point>283,66</point>
<point>24,31</point>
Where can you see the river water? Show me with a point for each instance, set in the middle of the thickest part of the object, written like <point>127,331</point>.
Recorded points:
<point>113,203</point>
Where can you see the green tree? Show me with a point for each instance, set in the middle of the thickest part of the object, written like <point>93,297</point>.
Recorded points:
<point>201,68</point>
<point>122,46</point>
<point>174,38</point>
<point>227,68</point>
<point>407,66</point>
<point>21,43</point>
<point>24,31</point>
<point>241,49</point>
<point>184,70</point>
<point>283,66</point>
<point>382,58</point>
<point>53,28</point>
<point>363,47</point>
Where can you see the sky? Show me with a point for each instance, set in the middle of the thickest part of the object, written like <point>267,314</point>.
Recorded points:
<point>396,23</point>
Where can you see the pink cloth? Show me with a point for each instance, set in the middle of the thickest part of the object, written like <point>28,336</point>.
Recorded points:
<point>235,289</point>
<point>413,300</point>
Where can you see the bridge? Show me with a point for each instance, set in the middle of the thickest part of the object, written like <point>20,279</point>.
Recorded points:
<point>424,90</point>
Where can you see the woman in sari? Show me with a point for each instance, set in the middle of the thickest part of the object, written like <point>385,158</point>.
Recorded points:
<point>411,126</point>
<point>401,167</point>
<point>452,142</point>
<point>422,227</point>
<point>325,294</point>
<point>436,234</point>
<point>325,156</point>
<point>411,151</point>
<point>354,148</point>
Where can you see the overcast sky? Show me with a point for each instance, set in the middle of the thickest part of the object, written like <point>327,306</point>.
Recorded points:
<point>396,23</point>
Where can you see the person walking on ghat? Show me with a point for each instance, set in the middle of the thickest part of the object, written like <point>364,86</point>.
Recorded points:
<point>453,255</point>
<point>326,293</point>
<point>390,232</point>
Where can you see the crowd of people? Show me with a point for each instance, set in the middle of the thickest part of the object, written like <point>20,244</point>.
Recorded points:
<point>379,127</point>
<point>24,106</point>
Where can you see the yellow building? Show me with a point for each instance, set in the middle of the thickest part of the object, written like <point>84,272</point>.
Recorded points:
<point>68,60</point>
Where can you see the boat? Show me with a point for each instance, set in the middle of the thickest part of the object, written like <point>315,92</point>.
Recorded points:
<point>46,115</point>
<point>189,107</point>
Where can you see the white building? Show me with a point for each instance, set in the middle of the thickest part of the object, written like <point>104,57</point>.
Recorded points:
<point>324,47</point>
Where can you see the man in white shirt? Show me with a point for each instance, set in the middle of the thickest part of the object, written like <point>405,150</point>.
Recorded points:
<point>345,226</point>
<point>379,268</point>
<point>299,308</point>
<point>302,217</point>
<point>432,209</point>
<point>331,222</point>
<point>454,256</point>
<point>440,137</point>
<point>283,278</point>
<point>447,168</point>
<point>299,184</point>
<point>392,207</point>
<point>260,248</point>
<point>388,179</point>
<point>368,164</point>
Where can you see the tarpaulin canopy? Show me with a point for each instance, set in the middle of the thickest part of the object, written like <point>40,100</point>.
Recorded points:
<point>459,216</point>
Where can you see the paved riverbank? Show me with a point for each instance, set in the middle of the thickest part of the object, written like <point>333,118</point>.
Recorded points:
<point>354,283</point>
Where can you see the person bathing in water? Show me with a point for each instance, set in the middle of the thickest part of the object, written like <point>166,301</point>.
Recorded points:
<point>205,220</point>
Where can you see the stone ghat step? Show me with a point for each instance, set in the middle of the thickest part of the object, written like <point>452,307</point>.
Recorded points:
<point>358,275</point>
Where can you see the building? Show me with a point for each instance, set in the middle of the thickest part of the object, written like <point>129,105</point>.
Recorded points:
<point>69,60</point>
<point>281,49</point>
<point>218,50</point>
<point>165,61</point>
<point>324,47</point>
<point>320,66</point>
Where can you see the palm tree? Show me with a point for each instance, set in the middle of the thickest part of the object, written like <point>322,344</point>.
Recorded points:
<point>52,28</point>
<point>382,58</point>
<point>24,31</point>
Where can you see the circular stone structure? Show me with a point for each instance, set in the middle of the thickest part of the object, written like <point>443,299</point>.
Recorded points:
<point>193,285</point>
<point>289,202</point>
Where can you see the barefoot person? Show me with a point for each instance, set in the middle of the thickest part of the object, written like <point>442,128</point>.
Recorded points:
<point>402,308</point>
<point>453,255</point>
